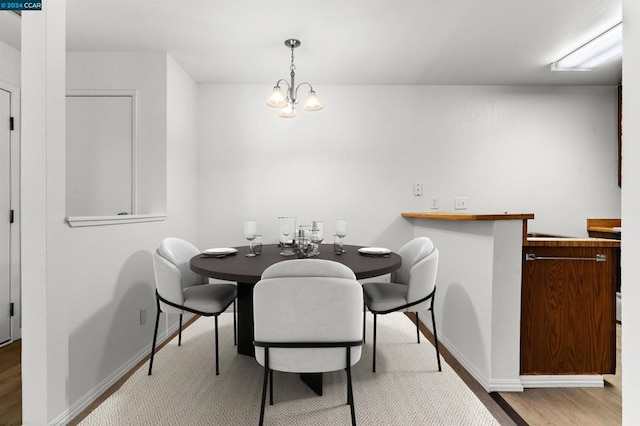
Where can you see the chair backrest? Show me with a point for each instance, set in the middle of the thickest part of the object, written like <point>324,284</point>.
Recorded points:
<point>179,252</point>
<point>308,300</point>
<point>419,269</point>
<point>173,273</point>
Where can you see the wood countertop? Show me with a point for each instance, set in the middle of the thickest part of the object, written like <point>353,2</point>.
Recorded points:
<point>468,216</point>
<point>604,228</point>
<point>528,241</point>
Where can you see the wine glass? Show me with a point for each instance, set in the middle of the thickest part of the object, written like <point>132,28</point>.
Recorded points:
<point>257,245</point>
<point>341,228</point>
<point>338,245</point>
<point>317,234</point>
<point>250,232</point>
<point>287,227</point>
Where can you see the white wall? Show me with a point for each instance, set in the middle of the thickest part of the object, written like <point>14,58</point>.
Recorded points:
<point>631,214</point>
<point>551,151</point>
<point>44,301</point>
<point>347,162</point>
<point>477,306</point>
<point>9,64</point>
<point>182,154</point>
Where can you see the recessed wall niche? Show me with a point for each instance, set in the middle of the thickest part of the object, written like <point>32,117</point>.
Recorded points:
<point>100,153</point>
<point>127,94</point>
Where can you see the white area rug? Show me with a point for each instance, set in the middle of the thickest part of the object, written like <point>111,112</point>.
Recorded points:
<point>407,389</point>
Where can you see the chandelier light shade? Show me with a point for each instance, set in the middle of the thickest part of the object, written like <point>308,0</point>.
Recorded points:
<point>288,112</point>
<point>312,102</point>
<point>277,98</point>
<point>286,100</point>
<point>601,49</point>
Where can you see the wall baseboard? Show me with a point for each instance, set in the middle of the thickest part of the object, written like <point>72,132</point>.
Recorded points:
<point>505,385</point>
<point>490,385</point>
<point>81,404</point>
<point>566,381</point>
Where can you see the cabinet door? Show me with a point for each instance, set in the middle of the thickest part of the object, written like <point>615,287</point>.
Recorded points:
<point>568,311</point>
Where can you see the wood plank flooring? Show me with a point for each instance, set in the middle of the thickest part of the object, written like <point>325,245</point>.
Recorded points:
<point>11,384</point>
<point>578,406</point>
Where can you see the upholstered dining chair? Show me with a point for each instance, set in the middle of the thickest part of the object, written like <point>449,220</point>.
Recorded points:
<point>412,288</point>
<point>179,290</point>
<point>307,319</point>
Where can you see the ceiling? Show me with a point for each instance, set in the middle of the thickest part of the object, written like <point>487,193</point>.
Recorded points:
<point>400,42</point>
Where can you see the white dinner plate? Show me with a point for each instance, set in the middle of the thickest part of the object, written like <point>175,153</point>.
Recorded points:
<point>374,250</point>
<point>220,251</point>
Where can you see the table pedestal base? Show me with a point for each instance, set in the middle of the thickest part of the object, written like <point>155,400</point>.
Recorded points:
<point>245,319</point>
<point>313,380</point>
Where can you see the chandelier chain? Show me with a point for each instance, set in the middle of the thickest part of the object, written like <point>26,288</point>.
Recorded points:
<point>292,67</point>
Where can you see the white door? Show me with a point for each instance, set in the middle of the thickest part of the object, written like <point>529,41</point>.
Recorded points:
<point>5,208</point>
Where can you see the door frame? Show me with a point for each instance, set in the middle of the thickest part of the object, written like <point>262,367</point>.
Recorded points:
<point>14,235</point>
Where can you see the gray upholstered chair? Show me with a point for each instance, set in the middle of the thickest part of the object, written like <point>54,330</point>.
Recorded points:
<point>179,289</point>
<point>307,319</point>
<point>412,288</point>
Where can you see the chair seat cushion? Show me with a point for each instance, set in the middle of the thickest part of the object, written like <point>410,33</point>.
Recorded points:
<point>384,296</point>
<point>209,298</point>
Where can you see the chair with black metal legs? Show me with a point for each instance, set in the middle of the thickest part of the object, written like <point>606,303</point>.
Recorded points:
<point>179,290</point>
<point>307,319</point>
<point>412,288</point>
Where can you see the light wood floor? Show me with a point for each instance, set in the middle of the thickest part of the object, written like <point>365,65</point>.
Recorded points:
<point>579,406</point>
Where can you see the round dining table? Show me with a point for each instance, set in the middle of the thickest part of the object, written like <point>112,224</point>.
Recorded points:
<point>246,271</point>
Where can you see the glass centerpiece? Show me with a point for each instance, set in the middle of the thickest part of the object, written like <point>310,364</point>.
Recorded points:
<point>304,247</point>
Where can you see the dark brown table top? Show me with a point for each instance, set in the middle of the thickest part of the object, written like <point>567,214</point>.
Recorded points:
<point>244,269</point>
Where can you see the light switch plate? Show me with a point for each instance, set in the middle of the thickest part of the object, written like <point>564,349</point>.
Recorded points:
<point>434,203</point>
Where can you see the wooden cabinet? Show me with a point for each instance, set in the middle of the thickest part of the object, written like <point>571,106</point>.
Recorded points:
<point>568,310</point>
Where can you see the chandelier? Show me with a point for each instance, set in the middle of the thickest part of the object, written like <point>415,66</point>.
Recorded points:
<point>287,101</point>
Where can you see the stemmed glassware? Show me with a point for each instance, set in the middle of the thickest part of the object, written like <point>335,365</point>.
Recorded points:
<point>317,234</point>
<point>257,245</point>
<point>341,229</point>
<point>287,227</point>
<point>250,233</point>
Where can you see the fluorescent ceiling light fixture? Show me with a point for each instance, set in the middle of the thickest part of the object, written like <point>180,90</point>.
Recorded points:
<point>601,49</point>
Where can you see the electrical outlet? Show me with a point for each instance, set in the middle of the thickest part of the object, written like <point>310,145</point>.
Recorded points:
<point>417,189</point>
<point>461,203</point>
<point>143,316</point>
<point>434,203</point>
